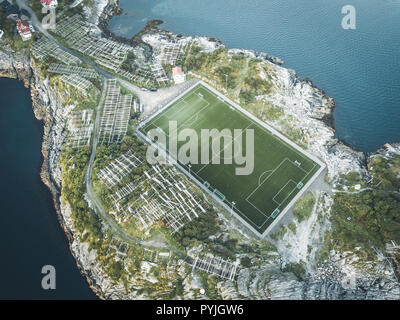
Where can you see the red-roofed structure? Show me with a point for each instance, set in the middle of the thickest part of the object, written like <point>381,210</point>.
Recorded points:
<point>49,3</point>
<point>178,75</point>
<point>24,30</point>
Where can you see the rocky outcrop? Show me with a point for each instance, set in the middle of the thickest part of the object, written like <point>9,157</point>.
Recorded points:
<point>100,9</point>
<point>342,277</point>
<point>311,112</point>
<point>15,65</point>
<point>334,280</point>
<point>46,107</point>
<point>345,275</point>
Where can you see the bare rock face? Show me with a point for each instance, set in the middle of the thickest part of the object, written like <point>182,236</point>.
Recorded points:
<point>342,277</point>
<point>94,12</point>
<point>332,281</point>
<point>15,65</point>
<point>47,108</point>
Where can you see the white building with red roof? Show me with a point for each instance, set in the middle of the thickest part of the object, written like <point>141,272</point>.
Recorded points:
<point>24,30</point>
<point>178,75</point>
<point>49,3</point>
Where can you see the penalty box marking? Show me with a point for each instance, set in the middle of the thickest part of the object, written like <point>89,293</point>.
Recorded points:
<point>166,113</point>
<point>300,154</point>
<point>260,211</point>
<point>195,116</point>
<point>289,181</point>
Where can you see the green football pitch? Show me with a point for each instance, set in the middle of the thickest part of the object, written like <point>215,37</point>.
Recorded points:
<point>281,169</point>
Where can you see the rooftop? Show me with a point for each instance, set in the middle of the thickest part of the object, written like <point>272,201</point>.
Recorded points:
<point>177,71</point>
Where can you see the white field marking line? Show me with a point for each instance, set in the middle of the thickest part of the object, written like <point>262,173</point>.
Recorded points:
<point>262,213</point>
<point>259,178</point>
<point>153,123</point>
<point>290,193</point>
<point>238,211</point>
<point>187,104</point>
<point>190,123</point>
<point>310,171</point>
<point>243,216</point>
<point>247,199</point>
<point>250,221</point>
<point>266,126</point>
<point>180,109</point>
<point>304,156</point>
<point>164,114</point>
<point>270,217</point>
<point>164,111</point>
<point>238,214</point>
<point>279,203</point>
<point>299,166</point>
<point>266,179</point>
<point>196,114</point>
<point>278,138</point>
<point>275,136</point>
<point>219,153</point>
<point>182,104</point>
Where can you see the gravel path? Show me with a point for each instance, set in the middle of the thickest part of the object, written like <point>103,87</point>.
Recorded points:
<point>153,101</point>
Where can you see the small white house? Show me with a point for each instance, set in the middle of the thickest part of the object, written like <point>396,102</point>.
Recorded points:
<point>178,75</point>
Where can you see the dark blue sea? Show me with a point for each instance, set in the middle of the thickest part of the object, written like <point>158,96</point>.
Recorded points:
<point>30,234</point>
<point>359,68</point>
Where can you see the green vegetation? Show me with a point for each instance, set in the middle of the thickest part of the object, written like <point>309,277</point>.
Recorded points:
<point>129,63</point>
<point>369,219</point>
<point>350,179</point>
<point>303,208</point>
<point>225,247</point>
<point>69,95</point>
<point>279,169</point>
<point>245,262</point>
<point>386,173</point>
<point>11,36</point>
<point>73,163</point>
<point>199,232</point>
<point>292,227</point>
<point>209,283</point>
<point>297,269</point>
<point>278,234</point>
<point>241,77</point>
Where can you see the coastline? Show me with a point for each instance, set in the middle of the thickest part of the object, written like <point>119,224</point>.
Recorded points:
<point>43,113</point>
<point>21,70</point>
<point>43,99</point>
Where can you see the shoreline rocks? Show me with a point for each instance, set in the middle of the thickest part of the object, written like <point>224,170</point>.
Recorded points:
<point>303,100</point>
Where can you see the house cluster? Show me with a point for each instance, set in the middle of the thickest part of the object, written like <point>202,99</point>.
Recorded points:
<point>21,17</point>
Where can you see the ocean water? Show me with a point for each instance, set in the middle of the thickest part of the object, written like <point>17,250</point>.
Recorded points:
<point>30,234</point>
<point>359,68</point>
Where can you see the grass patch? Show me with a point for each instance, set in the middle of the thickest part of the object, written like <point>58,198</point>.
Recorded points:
<point>303,208</point>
